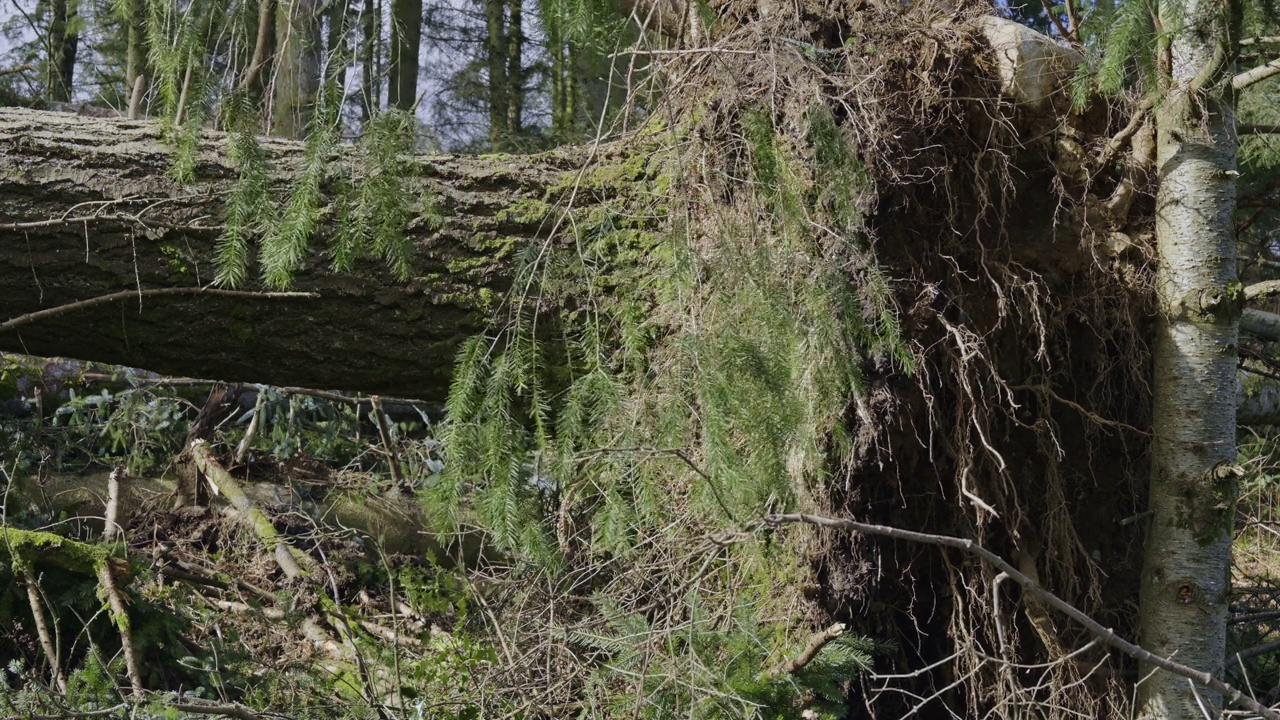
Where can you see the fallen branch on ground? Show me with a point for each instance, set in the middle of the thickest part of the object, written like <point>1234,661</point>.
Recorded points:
<point>292,561</point>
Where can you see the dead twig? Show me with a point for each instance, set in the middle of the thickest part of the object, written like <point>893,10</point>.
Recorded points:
<point>384,432</point>
<point>31,317</point>
<point>43,633</point>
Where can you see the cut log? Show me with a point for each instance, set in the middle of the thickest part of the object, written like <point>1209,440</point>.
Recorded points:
<point>88,207</point>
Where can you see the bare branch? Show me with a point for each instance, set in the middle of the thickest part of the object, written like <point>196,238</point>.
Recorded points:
<point>290,559</point>
<point>155,292</point>
<point>817,641</point>
<point>1253,76</point>
<point>43,632</point>
<point>1262,290</point>
<point>1260,324</point>
<point>1118,141</point>
<point>120,616</point>
<point>1107,635</point>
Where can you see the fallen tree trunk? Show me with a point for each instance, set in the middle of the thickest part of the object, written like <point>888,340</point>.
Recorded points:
<point>88,207</point>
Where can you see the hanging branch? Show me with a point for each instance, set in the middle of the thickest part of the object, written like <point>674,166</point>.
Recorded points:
<point>155,292</point>
<point>1107,635</point>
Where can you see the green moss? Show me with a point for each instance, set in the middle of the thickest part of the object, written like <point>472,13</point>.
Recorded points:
<point>490,249</point>
<point>177,261</point>
<point>28,546</point>
<point>525,211</point>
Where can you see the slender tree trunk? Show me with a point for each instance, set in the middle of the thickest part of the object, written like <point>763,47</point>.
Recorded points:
<point>136,54</point>
<point>297,75</point>
<point>497,48</point>
<point>369,100</point>
<point>1185,580</point>
<point>552,21</point>
<point>63,43</point>
<point>338,45</point>
<point>258,67</point>
<point>406,38</point>
<point>515,69</point>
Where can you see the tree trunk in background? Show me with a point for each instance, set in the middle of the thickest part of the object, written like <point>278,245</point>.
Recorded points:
<point>497,48</point>
<point>136,53</point>
<point>337,46</point>
<point>515,69</point>
<point>368,332</point>
<point>297,75</point>
<point>369,99</point>
<point>1185,581</point>
<point>552,21</point>
<point>63,42</point>
<point>406,38</point>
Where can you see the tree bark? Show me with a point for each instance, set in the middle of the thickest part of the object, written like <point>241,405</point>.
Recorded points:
<point>1185,580</point>
<point>369,331</point>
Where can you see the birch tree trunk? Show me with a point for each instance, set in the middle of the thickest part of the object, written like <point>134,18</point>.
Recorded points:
<point>1185,579</point>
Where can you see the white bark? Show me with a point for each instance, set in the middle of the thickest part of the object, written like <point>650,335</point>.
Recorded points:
<point>1185,578</point>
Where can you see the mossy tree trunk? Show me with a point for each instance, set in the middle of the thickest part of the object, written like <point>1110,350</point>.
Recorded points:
<point>132,226</point>
<point>1185,581</point>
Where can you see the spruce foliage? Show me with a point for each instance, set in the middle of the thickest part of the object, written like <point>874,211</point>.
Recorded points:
<point>702,381</point>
